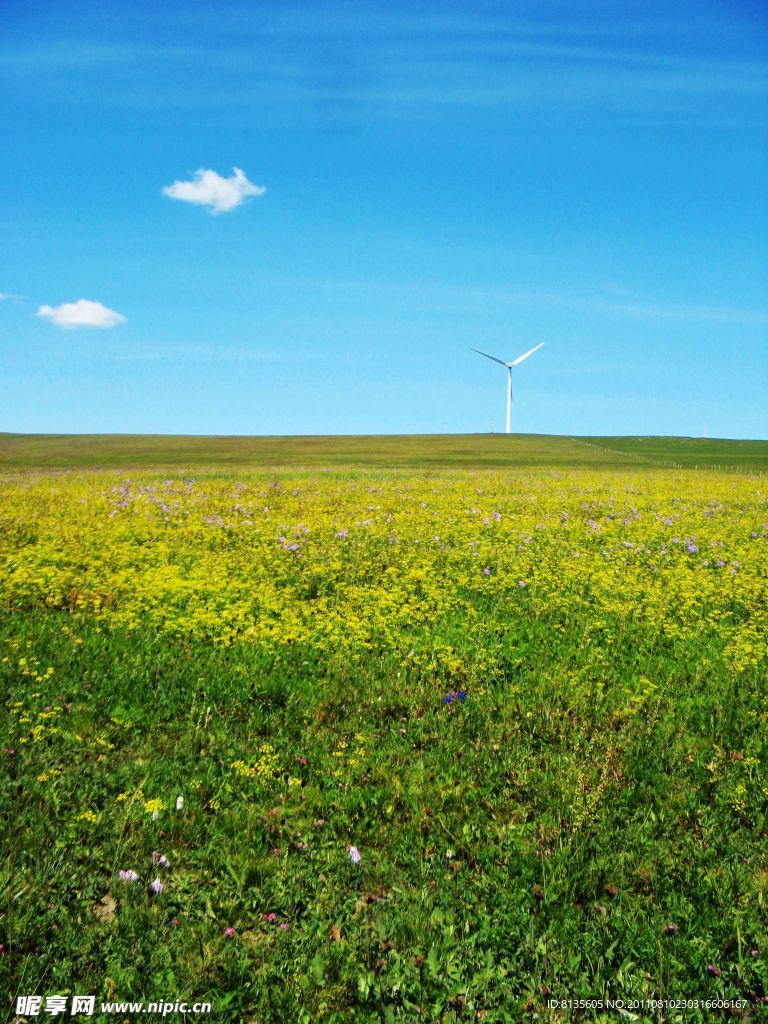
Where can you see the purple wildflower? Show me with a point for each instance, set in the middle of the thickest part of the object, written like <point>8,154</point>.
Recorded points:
<point>460,695</point>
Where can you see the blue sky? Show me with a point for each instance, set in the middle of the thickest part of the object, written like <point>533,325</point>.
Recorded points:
<point>439,177</point>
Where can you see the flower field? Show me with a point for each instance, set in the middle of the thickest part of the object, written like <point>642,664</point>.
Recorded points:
<point>382,746</point>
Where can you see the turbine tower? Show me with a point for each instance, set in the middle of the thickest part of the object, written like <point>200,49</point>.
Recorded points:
<point>509,373</point>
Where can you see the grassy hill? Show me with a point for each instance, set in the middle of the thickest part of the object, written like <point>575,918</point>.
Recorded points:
<point>487,451</point>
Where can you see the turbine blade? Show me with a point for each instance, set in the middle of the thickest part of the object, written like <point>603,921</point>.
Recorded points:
<point>491,357</point>
<point>525,356</point>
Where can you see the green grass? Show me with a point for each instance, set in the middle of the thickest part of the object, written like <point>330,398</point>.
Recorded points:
<point>688,452</point>
<point>486,451</point>
<point>603,779</point>
<point>536,838</point>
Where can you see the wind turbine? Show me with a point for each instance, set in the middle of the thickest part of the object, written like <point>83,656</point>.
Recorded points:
<point>509,373</point>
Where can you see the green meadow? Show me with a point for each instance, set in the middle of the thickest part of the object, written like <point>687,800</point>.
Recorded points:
<point>457,451</point>
<point>442,729</point>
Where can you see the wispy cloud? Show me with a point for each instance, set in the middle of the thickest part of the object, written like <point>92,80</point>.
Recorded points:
<point>303,64</point>
<point>610,299</point>
<point>644,308</point>
<point>717,314</point>
<point>208,188</point>
<point>164,352</point>
<point>9,295</point>
<point>82,55</point>
<point>83,313</point>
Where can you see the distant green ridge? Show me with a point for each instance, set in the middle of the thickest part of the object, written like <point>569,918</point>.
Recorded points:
<point>407,451</point>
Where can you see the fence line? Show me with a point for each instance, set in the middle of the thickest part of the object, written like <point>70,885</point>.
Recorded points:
<point>667,464</point>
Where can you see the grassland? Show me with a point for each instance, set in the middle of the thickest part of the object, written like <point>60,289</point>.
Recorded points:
<point>442,743</point>
<point>446,451</point>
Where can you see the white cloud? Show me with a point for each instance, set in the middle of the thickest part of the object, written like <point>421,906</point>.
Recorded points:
<point>9,295</point>
<point>82,313</point>
<point>208,188</point>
